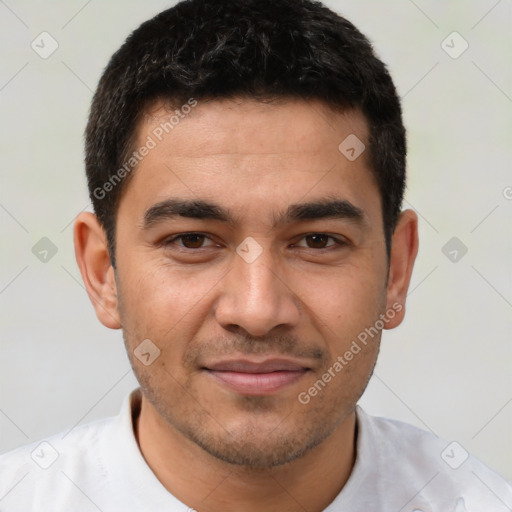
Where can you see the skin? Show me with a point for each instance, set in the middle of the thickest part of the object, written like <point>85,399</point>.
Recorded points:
<point>199,302</point>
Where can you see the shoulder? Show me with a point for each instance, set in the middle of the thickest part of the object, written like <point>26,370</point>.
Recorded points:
<point>444,470</point>
<point>45,451</point>
<point>30,472</point>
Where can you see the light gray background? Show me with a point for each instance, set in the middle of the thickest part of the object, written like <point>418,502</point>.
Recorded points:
<point>447,368</point>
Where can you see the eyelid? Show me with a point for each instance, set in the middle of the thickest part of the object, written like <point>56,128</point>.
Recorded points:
<point>170,240</point>
<point>338,241</point>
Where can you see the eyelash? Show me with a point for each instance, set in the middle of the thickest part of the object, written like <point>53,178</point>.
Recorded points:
<point>338,243</point>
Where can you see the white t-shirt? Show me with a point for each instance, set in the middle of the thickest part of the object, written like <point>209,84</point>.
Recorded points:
<point>98,466</point>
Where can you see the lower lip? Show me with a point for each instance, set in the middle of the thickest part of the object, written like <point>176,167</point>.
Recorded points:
<point>257,383</point>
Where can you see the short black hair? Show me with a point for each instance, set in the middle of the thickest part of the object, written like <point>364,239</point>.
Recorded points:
<point>260,49</point>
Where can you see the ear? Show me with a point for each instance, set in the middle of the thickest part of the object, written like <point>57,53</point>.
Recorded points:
<point>404,248</point>
<point>92,256</point>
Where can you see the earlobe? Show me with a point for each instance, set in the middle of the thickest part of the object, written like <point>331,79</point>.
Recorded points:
<point>403,254</point>
<point>93,259</point>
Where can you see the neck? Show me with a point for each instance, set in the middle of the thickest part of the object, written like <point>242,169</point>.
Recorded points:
<point>209,485</point>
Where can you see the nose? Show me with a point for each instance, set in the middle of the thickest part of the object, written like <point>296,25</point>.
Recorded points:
<point>256,297</point>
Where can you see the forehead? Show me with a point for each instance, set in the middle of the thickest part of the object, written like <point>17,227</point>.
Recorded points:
<point>249,155</point>
<point>239,124</point>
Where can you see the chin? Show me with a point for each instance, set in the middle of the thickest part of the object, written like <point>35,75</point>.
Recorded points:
<point>254,448</point>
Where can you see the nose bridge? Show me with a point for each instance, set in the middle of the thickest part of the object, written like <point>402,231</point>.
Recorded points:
<point>253,297</point>
<point>259,279</point>
<point>255,281</point>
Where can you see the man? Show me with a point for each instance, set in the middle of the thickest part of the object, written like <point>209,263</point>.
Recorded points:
<point>246,162</point>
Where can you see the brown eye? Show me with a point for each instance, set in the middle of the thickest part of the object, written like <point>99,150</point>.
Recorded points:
<point>193,241</point>
<point>188,241</point>
<point>319,241</point>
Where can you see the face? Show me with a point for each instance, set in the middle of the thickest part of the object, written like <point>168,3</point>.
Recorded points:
<point>250,252</point>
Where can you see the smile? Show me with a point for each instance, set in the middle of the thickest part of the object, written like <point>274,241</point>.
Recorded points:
<point>251,378</point>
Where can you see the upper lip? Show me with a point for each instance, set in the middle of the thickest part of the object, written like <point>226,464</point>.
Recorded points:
<point>247,366</point>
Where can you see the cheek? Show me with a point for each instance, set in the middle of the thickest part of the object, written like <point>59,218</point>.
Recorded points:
<point>158,297</point>
<point>345,301</point>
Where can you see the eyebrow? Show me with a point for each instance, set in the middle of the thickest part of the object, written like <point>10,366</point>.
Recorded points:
<point>200,209</point>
